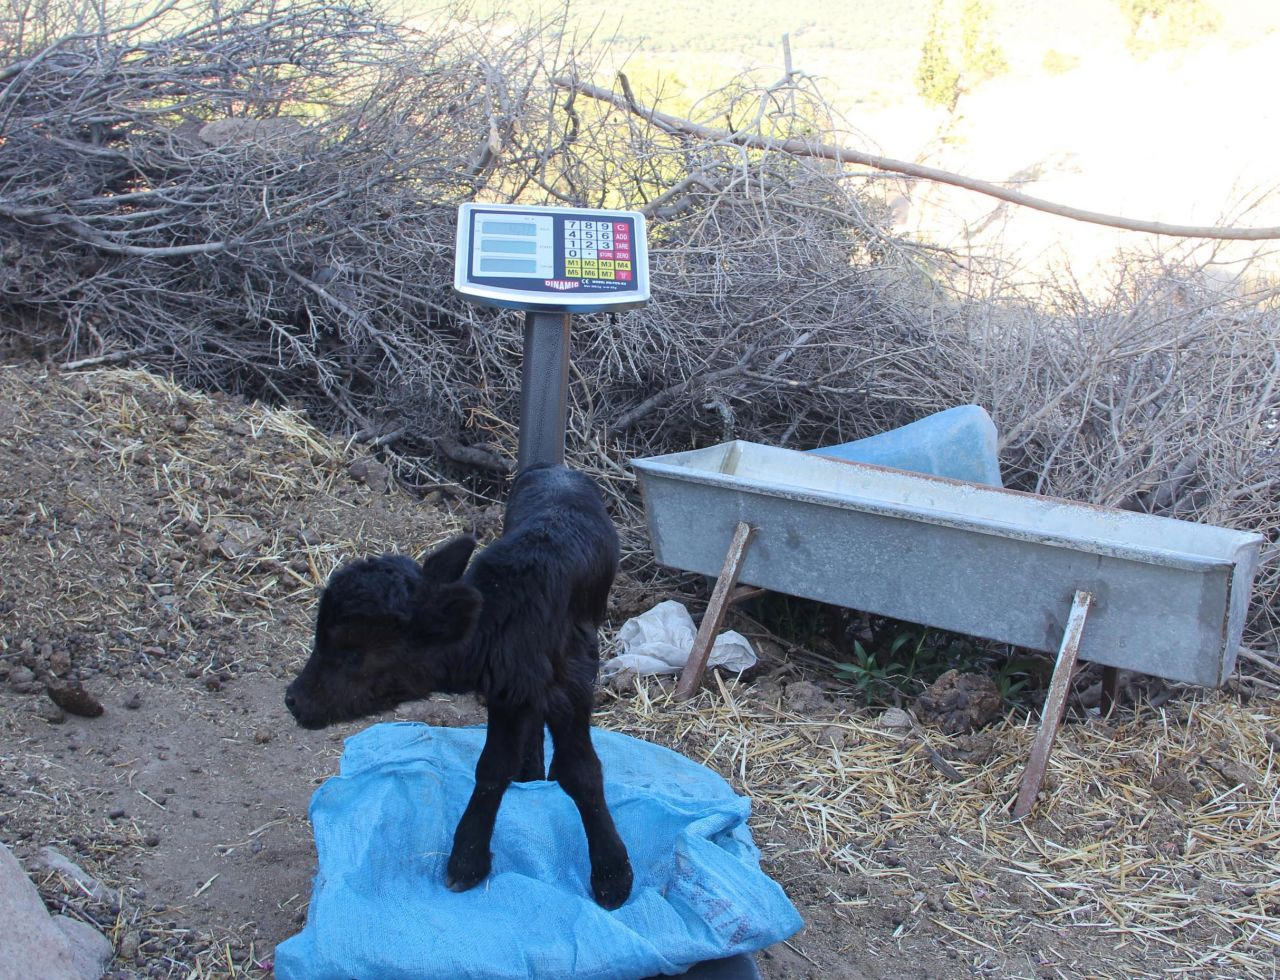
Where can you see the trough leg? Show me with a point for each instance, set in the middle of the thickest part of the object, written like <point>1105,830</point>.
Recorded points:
<point>691,676</point>
<point>1110,690</point>
<point>1033,777</point>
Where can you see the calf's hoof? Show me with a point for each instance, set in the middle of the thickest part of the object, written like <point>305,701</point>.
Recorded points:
<point>467,871</point>
<point>612,888</point>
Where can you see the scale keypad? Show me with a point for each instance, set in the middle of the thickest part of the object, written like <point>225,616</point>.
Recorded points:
<point>598,250</point>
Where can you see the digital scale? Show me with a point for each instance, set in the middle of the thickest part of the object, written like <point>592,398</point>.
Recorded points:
<point>551,263</point>
<point>555,260</point>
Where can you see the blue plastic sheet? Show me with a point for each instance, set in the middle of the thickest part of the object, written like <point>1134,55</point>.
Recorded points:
<point>383,827</point>
<point>960,443</point>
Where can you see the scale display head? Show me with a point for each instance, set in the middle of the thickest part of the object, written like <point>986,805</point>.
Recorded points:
<point>552,260</point>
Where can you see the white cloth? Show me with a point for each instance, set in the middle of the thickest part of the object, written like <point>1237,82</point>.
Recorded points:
<point>659,641</point>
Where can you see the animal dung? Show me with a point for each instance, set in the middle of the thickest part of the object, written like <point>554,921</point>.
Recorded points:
<point>74,699</point>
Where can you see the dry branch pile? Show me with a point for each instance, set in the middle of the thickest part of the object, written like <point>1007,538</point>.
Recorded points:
<point>261,199</point>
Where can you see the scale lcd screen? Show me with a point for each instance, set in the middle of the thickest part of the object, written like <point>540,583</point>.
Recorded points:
<point>520,246</point>
<point>508,228</point>
<point>541,258</point>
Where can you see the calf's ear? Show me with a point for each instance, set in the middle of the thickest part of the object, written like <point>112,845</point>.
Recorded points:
<point>449,561</point>
<point>449,614</point>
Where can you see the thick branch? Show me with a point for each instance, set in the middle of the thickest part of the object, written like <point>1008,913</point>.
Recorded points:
<point>842,154</point>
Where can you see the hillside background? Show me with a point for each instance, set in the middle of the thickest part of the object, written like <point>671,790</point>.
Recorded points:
<point>1171,120</point>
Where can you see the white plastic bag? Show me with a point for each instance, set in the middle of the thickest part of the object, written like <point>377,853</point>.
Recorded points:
<point>659,641</point>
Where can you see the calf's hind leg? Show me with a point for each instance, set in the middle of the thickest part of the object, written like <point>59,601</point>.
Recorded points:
<point>533,766</point>
<point>502,759</point>
<point>576,767</point>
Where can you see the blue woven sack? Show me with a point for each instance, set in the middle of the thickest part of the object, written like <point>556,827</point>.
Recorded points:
<point>384,826</point>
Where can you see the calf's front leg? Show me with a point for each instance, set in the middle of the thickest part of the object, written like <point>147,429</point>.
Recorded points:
<point>503,757</point>
<point>576,767</point>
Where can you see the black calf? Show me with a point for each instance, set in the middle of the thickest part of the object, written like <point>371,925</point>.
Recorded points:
<point>519,626</point>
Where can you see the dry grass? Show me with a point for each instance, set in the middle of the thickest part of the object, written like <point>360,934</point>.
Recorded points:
<point>175,541</point>
<point>1157,831</point>
<point>231,512</point>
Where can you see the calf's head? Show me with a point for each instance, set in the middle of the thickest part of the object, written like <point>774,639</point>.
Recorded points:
<point>387,631</point>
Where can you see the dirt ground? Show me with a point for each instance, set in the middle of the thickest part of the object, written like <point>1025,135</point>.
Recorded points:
<point>164,548</point>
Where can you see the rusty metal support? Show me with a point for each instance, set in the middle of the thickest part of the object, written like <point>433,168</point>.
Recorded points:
<point>1051,718</point>
<point>691,676</point>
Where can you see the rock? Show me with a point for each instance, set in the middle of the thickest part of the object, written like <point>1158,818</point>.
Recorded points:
<point>623,682</point>
<point>23,680</point>
<point>208,543</point>
<point>51,713</point>
<point>379,477</point>
<point>59,662</point>
<point>768,691</point>
<point>959,703</point>
<point>975,748</point>
<point>239,538</point>
<point>31,946</point>
<point>51,859</point>
<point>130,942</point>
<point>187,529</point>
<point>834,736</point>
<point>1171,782</point>
<point>74,699</point>
<point>90,950</point>
<point>894,719</point>
<point>371,473</point>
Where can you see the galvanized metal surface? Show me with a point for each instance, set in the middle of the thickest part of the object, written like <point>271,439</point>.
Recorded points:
<point>1169,596</point>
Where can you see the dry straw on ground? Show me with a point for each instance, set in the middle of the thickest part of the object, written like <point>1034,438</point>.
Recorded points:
<point>1158,831</point>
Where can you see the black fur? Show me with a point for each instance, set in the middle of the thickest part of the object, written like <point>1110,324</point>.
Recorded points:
<point>518,626</point>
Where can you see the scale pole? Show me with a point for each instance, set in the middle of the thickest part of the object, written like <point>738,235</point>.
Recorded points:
<point>544,388</point>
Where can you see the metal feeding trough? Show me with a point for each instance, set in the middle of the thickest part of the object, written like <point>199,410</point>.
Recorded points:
<point>1161,596</point>
<point>1169,596</point>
